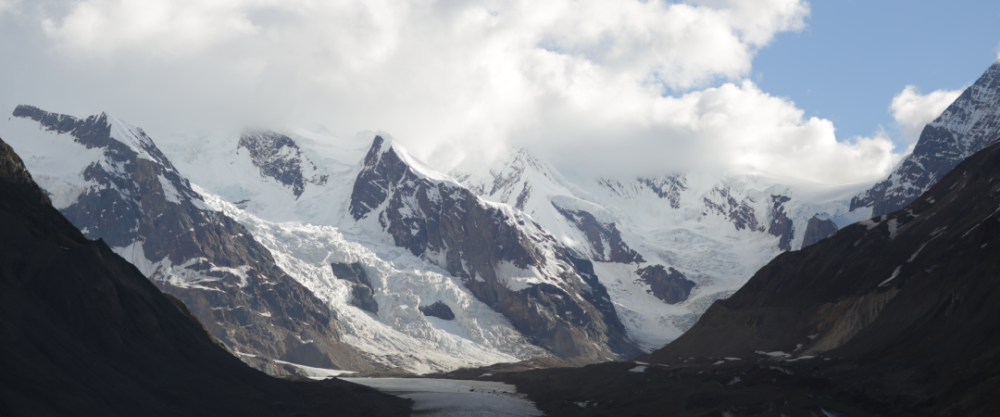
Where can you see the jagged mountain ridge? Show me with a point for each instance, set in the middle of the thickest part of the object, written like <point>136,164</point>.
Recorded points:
<point>385,323</point>
<point>665,247</point>
<point>130,195</point>
<point>966,126</point>
<point>661,265</point>
<point>502,256</point>
<point>85,333</point>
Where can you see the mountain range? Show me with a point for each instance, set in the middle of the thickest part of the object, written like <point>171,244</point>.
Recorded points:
<point>892,316</point>
<point>300,249</point>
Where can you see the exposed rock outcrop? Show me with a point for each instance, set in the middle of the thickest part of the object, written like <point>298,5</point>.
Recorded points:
<point>439,310</point>
<point>362,292</point>
<point>279,157</point>
<point>817,230</point>
<point>604,238</point>
<point>740,213</point>
<point>667,284</point>
<point>668,187</point>
<point>781,226</point>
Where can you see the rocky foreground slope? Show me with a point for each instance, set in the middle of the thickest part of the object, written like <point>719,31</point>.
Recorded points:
<point>892,316</point>
<point>83,332</point>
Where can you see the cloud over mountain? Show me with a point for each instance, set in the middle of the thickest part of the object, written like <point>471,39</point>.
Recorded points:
<point>610,88</point>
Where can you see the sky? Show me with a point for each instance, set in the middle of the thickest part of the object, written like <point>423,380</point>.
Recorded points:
<point>832,92</point>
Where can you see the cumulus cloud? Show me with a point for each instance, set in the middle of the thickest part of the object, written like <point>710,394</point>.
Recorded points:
<point>912,110</point>
<point>607,87</point>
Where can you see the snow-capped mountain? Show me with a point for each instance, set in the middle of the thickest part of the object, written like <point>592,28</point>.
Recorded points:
<point>110,180</point>
<point>397,209</point>
<point>388,321</point>
<point>665,247</point>
<point>503,256</point>
<point>424,271</point>
<point>965,127</point>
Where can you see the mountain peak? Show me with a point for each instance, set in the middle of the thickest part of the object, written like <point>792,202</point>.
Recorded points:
<point>278,157</point>
<point>966,126</point>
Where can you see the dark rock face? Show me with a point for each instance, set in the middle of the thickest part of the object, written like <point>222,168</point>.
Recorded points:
<point>448,225</point>
<point>85,333</point>
<point>243,299</point>
<point>905,302</point>
<point>362,291</point>
<point>740,213</point>
<point>669,285</point>
<point>817,230</point>
<point>668,188</point>
<point>743,216</point>
<point>598,233</point>
<point>781,226</point>
<point>277,156</point>
<point>523,196</point>
<point>353,272</point>
<point>439,310</point>
<point>968,125</point>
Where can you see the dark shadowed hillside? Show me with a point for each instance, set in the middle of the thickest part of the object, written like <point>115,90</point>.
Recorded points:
<point>82,332</point>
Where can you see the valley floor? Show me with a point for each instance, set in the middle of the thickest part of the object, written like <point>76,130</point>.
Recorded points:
<point>455,398</point>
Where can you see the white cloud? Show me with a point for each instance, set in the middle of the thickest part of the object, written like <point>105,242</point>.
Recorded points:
<point>611,87</point>
<point>913,110</point>
<point>8,6</point>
